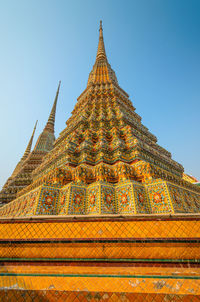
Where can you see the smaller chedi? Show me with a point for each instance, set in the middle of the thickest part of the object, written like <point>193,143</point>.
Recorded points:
<point>22,174</point>
<point>105,162</point>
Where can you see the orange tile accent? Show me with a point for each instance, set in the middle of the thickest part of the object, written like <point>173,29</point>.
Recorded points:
<point>102,229</point>
<point>101,250</point>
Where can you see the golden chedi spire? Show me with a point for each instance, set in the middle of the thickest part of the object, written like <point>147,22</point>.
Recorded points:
<point>106,145</point>
<point>104,126</point>
<point>28,149</point>
<point>102,72</point>
<point>5,194</point>
<point>106,191</point>
<point>22,175</point>
<point>46,139</point>
<point>51,120</point>
<point>101,53</point>
<point>26,153</point>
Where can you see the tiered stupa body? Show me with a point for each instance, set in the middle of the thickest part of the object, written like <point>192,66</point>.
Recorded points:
<point>106,149</point>
<point>109,215</point>
<point>22,174</point>
<point>10,188</point>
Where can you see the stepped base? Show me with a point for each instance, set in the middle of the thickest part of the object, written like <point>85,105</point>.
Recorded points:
<point>100,282</point>
<point>148,258</point>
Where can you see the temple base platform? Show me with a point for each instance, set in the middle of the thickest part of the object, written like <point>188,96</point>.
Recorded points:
<point>136,258</point>
<point>102,198</point>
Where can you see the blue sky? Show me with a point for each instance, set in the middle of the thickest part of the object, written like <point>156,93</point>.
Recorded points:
<point>153,46</point>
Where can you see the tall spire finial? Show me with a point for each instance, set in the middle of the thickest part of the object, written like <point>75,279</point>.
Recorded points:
<point>26,154</point>
<point>51,120</point>
<point>28,148</point>
<point>101,53</point>
<point>100,27</point>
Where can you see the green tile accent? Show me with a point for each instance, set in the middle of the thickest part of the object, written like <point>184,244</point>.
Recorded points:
<point>103,276</point>
<point>103,260</point>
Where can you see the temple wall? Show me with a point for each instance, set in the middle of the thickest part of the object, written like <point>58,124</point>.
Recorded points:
<point>184,201</point>
<point>101,198</point>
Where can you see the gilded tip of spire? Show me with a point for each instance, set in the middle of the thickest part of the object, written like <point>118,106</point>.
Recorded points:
<point>101,53</point>
<point>35,127</point>
<point>58,86</point>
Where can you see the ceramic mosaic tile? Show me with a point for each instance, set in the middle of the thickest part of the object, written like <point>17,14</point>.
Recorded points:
<point>141,200</point>
<point>159,198</point>
<point>184,201</point>
<point>93,199</point>
<point>108,203</point>
<point>125,199</point>
<point>63,203</point>
<point>48,199</point>
<point>77,203</point>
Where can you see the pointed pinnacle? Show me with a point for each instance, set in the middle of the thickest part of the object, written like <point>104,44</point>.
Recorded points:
<point>35,128</point>
<point>28,148</point>
<point>51,120</point>
<point>101,53</point>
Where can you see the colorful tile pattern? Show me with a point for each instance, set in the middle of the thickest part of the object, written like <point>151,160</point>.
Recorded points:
<point>125,199</point>
<point>108,204</point>
<point>93,199</point>
<point>22,206</point>
<point>184,201</point>
<point>159,198</point>
<point>141,200</point>
<point>47,201</point>
<point>177,199</point>
<point>63,203</point>
<point>77,204</point>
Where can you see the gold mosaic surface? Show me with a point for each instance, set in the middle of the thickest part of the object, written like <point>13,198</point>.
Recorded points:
<point>97,279</point>
<point>147,239</point>
<point>75,228</point>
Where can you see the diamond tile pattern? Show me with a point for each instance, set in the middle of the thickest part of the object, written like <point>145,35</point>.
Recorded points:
<point>102,228</point>
<point>80,243</point>
<point>43,296</point>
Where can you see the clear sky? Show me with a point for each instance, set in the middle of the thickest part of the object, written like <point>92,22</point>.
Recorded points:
<point>153,46</point>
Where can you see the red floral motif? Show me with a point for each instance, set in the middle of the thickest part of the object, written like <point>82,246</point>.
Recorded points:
<point>92,199</point>
<point>109,198</point>
<point>78,199</point>
<point>157,198</point>
<point>141,197</point>
<point>48,200</point>
<point>124,198</point>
